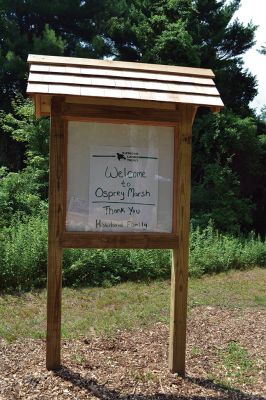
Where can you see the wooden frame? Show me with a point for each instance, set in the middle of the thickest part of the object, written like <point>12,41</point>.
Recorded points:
<point>121,115</point>
<point>181,118</point>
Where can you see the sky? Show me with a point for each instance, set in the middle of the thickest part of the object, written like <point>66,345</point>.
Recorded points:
<point>253,10</point>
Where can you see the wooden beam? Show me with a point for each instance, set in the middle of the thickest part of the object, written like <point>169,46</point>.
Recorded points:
<point>179,281</point>
<point>215,109</point>
<point>117,102</point>
<point>110,113</point>
<point>45,105</point>
<point>111,240</point>
<point>55,229</point>
<point>194,112</point>
<point>37,103</point>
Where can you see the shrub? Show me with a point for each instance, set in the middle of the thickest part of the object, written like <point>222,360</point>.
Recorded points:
<point>23,251</point>
<point>213,252</point>
<point>105,267</point>
<point>23,257</point>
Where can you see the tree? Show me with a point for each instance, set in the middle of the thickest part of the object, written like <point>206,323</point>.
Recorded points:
<point>72,28</point>
<point>179,32</point>
<point>228,151</point>
<point>24,193</point>
<point>52,27</point>
<point>259,220</point>
<point>196,33</point>
<point>263,50</point>
<point>228,164</point>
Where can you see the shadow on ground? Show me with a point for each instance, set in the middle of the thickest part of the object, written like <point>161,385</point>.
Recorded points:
<point>102,392</point>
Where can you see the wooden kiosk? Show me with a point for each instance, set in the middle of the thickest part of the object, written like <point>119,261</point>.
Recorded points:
<point>120,162</point>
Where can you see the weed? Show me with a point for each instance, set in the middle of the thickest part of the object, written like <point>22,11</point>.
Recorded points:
<point>23,258</point>
<point>78,358</point>
<point>260,300</point>
<point>143,377</point>
<point>236,364</point>
<point>90,311</point>
<point>195,351</point>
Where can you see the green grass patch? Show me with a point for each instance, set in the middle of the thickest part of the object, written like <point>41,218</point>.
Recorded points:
<point>105,310</point>
<point>236,289</point>
<point>236,366</point>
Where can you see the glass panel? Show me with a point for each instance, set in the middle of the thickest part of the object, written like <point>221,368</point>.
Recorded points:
<point>120,177</point>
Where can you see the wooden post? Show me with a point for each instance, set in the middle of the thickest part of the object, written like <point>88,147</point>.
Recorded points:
<point>55,229</point>
<point>179,283</point>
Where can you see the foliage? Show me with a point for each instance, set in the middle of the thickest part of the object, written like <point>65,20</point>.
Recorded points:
<point>229,151</point>
<point>262,115</point>
<point>196,33</point>
<point>48,43</point>
<point>263,50</point>
<point>24,193</point>
<point>237,364</point>
<point>108,267</point>
<point>23,252</point>
<point>180,32</point>
<point>52,27</point>
<point>214,252</point>
<point>23,258</point>
<point>227,171</point>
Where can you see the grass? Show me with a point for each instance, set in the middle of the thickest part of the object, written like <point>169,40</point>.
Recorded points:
<point>236,289</point>
<point>235,365</point>
<point>105,310</point>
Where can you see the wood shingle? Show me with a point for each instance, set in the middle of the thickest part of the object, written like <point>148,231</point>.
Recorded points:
<point>122,81</point>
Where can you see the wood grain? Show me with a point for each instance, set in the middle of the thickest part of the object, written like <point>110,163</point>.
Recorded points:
<point>127,94</point>
<point>45,102</point>
<point>120,114</point>
<point>119,103</point>
<point>55,228</point>
<point>115,81</point>
<point>175,175</point>
<point>123,240</point>
<point>179,282</point>
<point>37,102</point>
<point>151,85</point>
<point>66,61</point>
<point>129,75</point>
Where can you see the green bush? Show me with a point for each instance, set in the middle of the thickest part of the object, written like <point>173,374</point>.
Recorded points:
<point>23,252</point>
<point>23,258</point>
<point>24,193</point>
<point>106,267</point>
<point>213,252</point>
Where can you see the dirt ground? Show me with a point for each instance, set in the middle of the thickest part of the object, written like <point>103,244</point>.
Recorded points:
<point>133,365</point>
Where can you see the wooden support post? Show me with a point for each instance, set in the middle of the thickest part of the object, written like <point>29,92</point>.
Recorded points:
<point>177,347</point>
<point>55,229</point>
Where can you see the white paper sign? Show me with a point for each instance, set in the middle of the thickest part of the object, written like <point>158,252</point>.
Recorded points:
<point>123,192</point>
<point>77,213</point>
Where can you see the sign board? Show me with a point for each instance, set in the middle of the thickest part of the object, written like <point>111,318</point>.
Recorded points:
<point>126,187</point>
<point>120,165</point>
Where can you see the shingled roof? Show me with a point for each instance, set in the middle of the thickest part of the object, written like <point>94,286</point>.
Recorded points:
<point>50,75</point>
